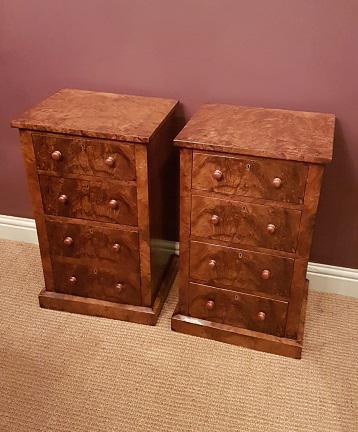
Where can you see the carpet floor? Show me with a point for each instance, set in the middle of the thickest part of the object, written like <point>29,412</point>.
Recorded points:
<point>65,372</point>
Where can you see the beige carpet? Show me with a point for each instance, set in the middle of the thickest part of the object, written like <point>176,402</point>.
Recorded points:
<point>64,372</point>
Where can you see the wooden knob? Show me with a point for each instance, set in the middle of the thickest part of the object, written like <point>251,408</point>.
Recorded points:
<point>261,316</point>
<point>110,161</point>
<point>266,274</point>
<point>72,280</point>
<point>116,247</point>
<point>212,263</point>
<point>119,286</point>
<point>56,155</point>
<point>68,241</point>
<point>277,182</point>
<point>63,199</point>
<point>218,175</point>
<point>215,219</point>
<point>113,204</point>
<point>210,305</point>
<point>271,228</point>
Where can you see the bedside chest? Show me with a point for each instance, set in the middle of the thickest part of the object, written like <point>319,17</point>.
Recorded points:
<point>250,184</point>
<point>98,166</point>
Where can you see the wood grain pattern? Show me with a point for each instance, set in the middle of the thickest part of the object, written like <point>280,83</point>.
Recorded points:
<point>233,308</point>
<point>298,293</point>
<point>84,156</point>
<point>96,307</point>
<point>163,194</point>
<point>250,177</point>
<point>143,223</point>
<point>247,199</point>
<point>236,336</point>
<point>98,115</point>
<point>91,243</point>
<point>89,199</point>
<point>34,189</point>
<point>240,269</point>
<point>273,133</point>
<point>163,159</point>
<point>256,178</point>
<point>301,327</point>
<point>253,248</point>
<point>95,224</point>
<point>98,282</point>
<point>186,160</point>
<point>92,202</point>
<point>245,224</point>
<point>107,309</point>
<point>313,188</point>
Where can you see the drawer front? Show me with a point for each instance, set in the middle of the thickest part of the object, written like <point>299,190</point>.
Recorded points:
<point>104,201</point>
<point>244,223</point>
<point>113,246</point>
<point>258,178</point>
<point>67,155</point>
<point>237,309</point>
<point>116,285</point>
<point>240,270</point>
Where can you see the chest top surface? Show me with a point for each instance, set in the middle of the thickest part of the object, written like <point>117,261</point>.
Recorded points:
<point>98,115</point>
<point>272,133</point>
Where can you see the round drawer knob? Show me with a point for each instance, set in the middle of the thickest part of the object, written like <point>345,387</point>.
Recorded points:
<point>212,263</point>
<point>261,316</point>
<point>277,182</point>
<point>266,274</point>
<point>113,204</point>
<point>72,280</point>
<point>110,161</point>
<point>119,286</point>
<point>218,175</point>
<point>271,228</point>
<point>215,219</point>
<point>116,247</point>
<point>56,155</point>
<point>210,305</point>
<point>68,241</point>
<point>63,199</point>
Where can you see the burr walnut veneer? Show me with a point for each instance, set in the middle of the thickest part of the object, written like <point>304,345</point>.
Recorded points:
<point>98,165</point>
<point>250,184</point>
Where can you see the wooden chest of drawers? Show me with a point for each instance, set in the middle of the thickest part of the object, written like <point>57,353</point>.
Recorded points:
<point>98,166</point>
<point>250,185</point>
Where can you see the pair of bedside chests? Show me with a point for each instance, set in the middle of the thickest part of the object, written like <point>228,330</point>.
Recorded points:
<point>104,179</point>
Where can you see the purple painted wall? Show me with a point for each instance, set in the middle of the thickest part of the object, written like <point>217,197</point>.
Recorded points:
<point>277,53</point>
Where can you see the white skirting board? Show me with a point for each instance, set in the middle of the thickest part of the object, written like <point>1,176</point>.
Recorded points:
<point>324,278</point>
<point>18,229</point>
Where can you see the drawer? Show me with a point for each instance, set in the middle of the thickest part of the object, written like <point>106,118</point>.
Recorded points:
<point>72,155</point>
<point>106,201</point>
<point>88,242</point>
<point>240,270</point>
<point>117,285</point>
<point>237,309</point>
<point>258,178</point>
<point>246,224</point>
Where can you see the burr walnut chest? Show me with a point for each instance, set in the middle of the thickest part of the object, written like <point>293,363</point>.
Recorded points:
<point>98,166</point>
<point>250,183</point>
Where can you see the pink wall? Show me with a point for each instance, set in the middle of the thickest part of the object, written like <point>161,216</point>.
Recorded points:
<point>279,53</point>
